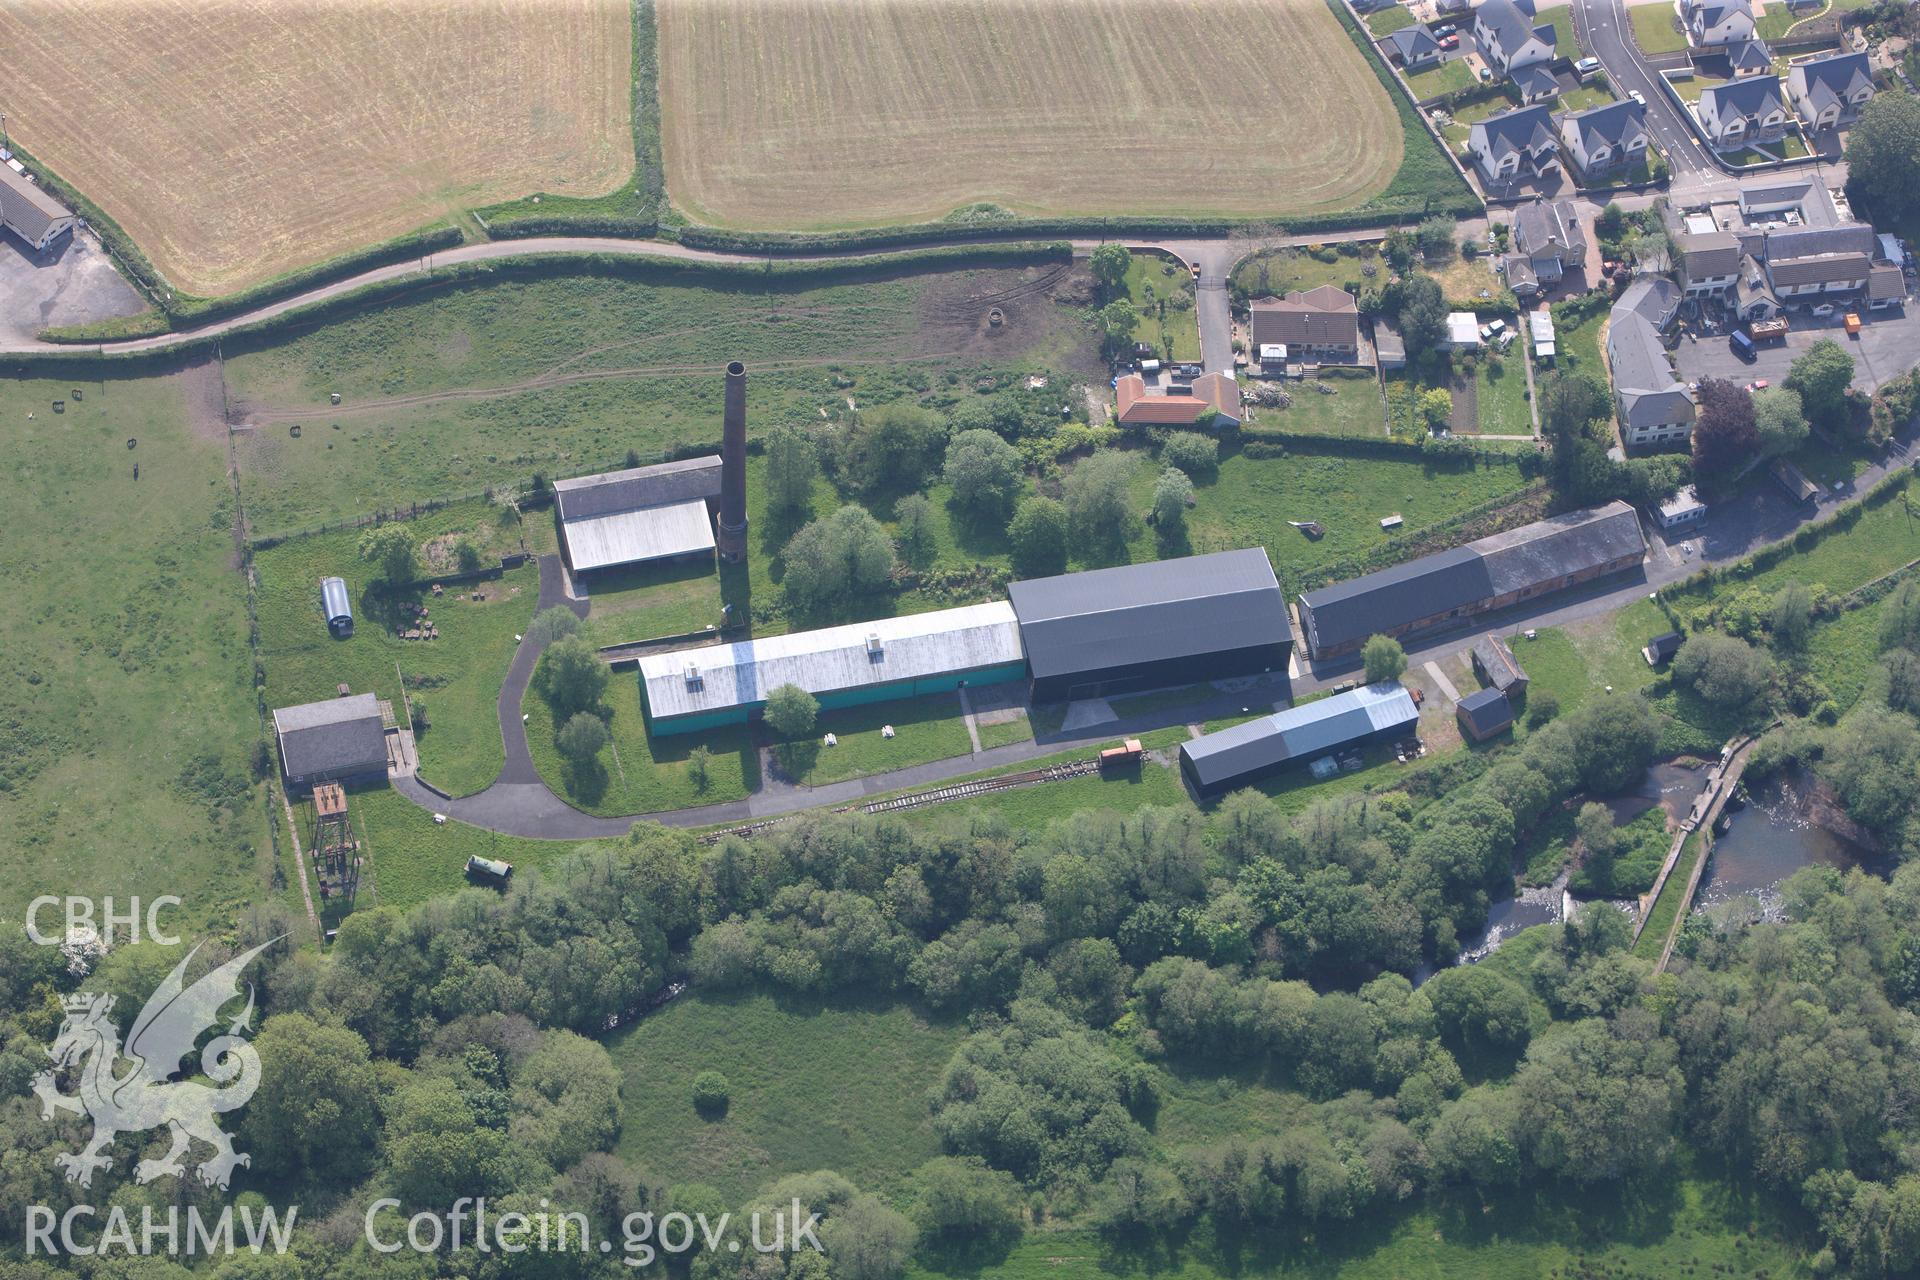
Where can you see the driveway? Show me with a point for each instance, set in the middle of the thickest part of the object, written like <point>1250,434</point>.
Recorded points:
<point>74,282</point>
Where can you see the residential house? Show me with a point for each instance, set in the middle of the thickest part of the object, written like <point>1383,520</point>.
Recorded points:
<point>1515,141</point>
<point>1741,112</point>
<point>1508,38</point>
<point>1709,262</point>
<point>1603,140</point>
<point>1830,91</point>
<point>1810,264</point>
<point>1654,407</point>
<point>1414,47</point>
<point>1886,286</point>
<point>1717,22</point>
<point>1212,396</point>
<point>1547,243</point>
<point>1536,83</point>
<point>1321,324</point>
<point>1753,297</point>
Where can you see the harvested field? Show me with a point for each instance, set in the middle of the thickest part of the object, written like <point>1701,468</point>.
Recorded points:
<point>809,114</point>
<point>237,140</point>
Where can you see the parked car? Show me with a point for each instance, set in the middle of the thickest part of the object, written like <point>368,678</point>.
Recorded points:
<point>1742,346</point>
<point>1637,96</point>
<point>1444,29</point>
<point>1586,67</point>
<point>1758,384</point>
<point>1450,41</point>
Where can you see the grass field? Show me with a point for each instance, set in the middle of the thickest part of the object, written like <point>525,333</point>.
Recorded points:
<point>1035,106</point>
<point>1280,271</point>
<point>637,773</point>
<point>839,1085</point>
<point>126,706</point>
<point>458,675</point>
<point>452,391</point>
<point>1352,408</point>
<point>1384,22</point>
<point>1501,395</point>
<point>237,140</point>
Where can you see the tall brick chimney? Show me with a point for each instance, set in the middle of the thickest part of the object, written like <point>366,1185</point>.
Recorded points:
<point>732,539</point>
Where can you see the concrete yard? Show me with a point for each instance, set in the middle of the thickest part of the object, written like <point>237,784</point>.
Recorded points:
<point>73,282</point>
<point>1885,349</point>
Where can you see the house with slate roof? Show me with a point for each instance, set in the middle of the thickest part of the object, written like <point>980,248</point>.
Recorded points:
<point>1830,91</point>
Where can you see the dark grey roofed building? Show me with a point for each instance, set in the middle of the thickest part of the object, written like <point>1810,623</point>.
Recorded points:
<point>1414,45</point>
<point>1502,142</point>
<point>1662,648</point>
<point>339,740</point>
<point>611,492</point>
<point>1160,623</point>
<point>1494,663</point>
<point>1235,757</point>
<point>1830,90</point>
<point>1437,590</point>
<point>1483,714</point>
<point>1655,297</point>
<point>1654,405</point>
<point>1536,81</point>
<point>1600,139</point>
<point>1749,57</point>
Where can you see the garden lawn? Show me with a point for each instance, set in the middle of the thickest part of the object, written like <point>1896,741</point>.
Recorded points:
<point>457,676</point>
<point>1000,733</point>
<point>1886,536</point>
<point>412,858</point>
<point>838,1085</point>
<point>929,728</point>
<point>1566,45</point>
<point>1591,94</point>
<point>1352,408</point>
<point>650,601</point>
<point>1279,272</point>
<point>1448,77</point>
<point>1827,465</point>
<point>638,774</point>
<point>1502,394</point>
<point>1385,22</point>
<point>1655,29</point>
<point>1161,291</point>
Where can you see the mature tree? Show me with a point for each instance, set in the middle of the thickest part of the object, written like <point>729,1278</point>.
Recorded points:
<point>1117,321</point>
<point>1479,1010</point>
<point>1724,437</point>
<point>1435,235</point>
<point>389,549</point>
<point>985,473</point>
<point>1399,249</point>
<point>1038,536</point>
<point>1778,421</point>
<point>1726,671</point>
<point>793,461</point>
<point>1821,376</point>
<point>1599,842</point>
<point>867,1241</point>
<point>1099,509</point>
<point>1611,224</point>
<point>1883,154</point>
<point>1570,403</point>
<point>891,447</point>
<point>582,738</point>
<point>913,518</point>
<point>1436,408</point>
<point>1792,617</point>
<point>435,1148</point>
<point>549,625</point>
<point>961,1197</point>
<point>792,712</point>
<point>1193,452</point>
<point>1651,252</point>
<point>1423,315</point>
<point>1384,659</point>
<point>1171,494</point>
<point>316,1111</point>
<point>1110,262</point>
<point>1598,1103</point>
<point>1870,764</point>
<point>571,677</point>
<point>1902,668</point>
<point>846,554</point>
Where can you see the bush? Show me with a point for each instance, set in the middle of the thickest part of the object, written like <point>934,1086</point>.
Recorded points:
<point>792,712</point>
<point>1197,455</point>
<point>711,1092</point>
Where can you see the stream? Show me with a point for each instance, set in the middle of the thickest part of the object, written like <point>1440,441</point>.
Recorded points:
<point>1771,838</point>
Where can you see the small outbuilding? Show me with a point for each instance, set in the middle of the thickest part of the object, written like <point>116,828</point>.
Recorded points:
<point>338,740</point>
<point>1683,510</point>
<point>1661,648</point>
<point>335,605</point>
<point>1307,734</point>
<point>1484,714</point>
<point>1494,663</point>
<point>489,870</point>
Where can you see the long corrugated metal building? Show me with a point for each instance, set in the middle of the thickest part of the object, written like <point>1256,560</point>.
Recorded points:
<point>693,689</point>
<point>1429,593</point>
<point>1160,623</point>
<point>661,512</point>
<point>1247,752</point>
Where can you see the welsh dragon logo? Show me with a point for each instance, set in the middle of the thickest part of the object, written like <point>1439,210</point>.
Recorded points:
<point>145,1097</point>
